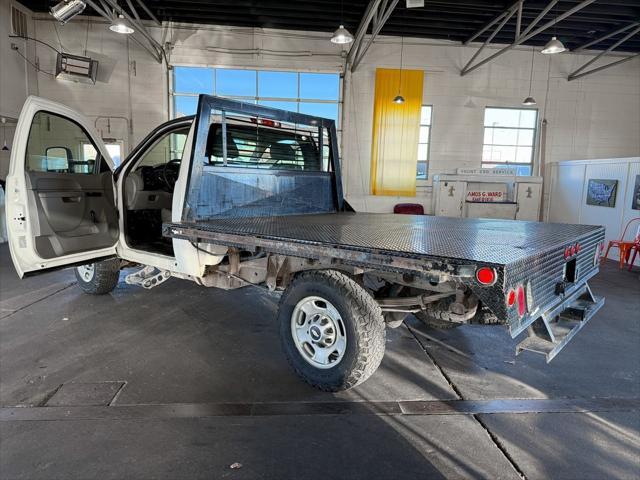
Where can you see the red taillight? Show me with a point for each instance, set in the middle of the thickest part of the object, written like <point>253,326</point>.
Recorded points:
<point>578,248</point>
<point>573,250</point>
<point>567,252</point>
<point>486,275</point>
<point>522,301</point>
<point>511,298</point>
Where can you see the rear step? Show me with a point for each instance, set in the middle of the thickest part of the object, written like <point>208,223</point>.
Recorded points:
<point>556,327</point>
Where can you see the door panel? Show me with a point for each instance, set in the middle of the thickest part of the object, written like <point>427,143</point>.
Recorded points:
<point>60,197</point>
<point>75,213</point>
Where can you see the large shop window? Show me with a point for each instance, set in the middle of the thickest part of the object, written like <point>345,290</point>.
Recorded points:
<point>312,93</point>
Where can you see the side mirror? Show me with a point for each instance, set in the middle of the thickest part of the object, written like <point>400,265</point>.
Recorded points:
<point>57,159</point>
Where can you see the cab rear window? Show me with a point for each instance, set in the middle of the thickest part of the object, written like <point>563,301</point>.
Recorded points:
<point>257,146</point>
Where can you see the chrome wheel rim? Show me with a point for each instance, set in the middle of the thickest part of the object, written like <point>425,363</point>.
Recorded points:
<point>86,272</point>
<point>318,332</point>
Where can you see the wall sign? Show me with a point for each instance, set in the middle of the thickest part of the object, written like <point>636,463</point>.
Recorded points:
<point>635,199</point>
<point>602,193</point>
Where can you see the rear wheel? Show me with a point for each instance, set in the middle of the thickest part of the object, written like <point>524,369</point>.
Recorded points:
<point>98,278</point>
<point>332,331</point>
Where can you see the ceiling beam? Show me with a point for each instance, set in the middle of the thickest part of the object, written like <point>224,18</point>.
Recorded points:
<point>526,36</point>
<point>603,67</point>
<point>376,30</point>
<point>604,37</point>
<point>576,74</point>
<point>370,11</point>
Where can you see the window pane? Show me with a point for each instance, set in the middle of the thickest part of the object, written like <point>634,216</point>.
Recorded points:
<point>502,117</point>
<point>167,148</point>
<point>523,155</point>
<point>264,147</point>
<point>193,80</point>
<point>115,152</point>
<point>500,136</point>
<point>236,82</point>
<point>498,153</point>
<point>525,137</point>
<point>528,118</point>
<point>58,145</point>
<point>422,169</point>
<point>320,86</point>
<point>324,110</point>
<point>278,84</point>
<point>290,106</point>
<point>425,115</point>
<point>185,106</point>
<point>424,135</point>
<point>423,152</point>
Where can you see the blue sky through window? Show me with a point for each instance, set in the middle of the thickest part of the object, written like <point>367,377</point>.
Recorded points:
<point>311,93</point>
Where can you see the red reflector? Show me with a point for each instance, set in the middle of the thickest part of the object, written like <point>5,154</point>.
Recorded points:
<point>567,252</point>
<point>573,250</point>
<point>511,298</point>
<point>486,275</point>
<point>578,248</point>
<point>522,305</point>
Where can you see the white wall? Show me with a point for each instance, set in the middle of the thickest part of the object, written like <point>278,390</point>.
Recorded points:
<point>594,117</point>
<point>568,195</point>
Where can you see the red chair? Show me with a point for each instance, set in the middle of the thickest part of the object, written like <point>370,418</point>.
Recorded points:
<point>624,246</point>
<point>636,247</point>
<point>409,209</point>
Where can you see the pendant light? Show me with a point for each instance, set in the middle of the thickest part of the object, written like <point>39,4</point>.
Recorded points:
<point>554,45</point>
<point>121,25</point>
<point>341,36</point>
<point>399,98</point>
<point>530,100</point>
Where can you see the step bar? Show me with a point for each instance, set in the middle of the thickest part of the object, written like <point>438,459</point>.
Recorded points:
<point>551,332</point>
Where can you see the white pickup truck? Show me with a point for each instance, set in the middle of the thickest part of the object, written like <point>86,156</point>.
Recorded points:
<point>242,194</point>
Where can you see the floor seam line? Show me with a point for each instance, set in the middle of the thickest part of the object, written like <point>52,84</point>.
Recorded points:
<point>494,439</point>
<point>38,300</point>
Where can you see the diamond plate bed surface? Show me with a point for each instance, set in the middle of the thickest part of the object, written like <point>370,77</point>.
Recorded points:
<point>479,240</point>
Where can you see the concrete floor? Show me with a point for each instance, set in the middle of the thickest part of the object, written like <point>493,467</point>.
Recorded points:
<point>183,382</point>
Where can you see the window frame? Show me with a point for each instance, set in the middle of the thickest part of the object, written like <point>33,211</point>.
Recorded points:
<point>430,125</point>
<point>257,98</point>
<point>513,165</point>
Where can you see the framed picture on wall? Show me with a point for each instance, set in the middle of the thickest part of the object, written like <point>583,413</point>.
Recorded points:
<point>635,199</point>
<point>602,193</point>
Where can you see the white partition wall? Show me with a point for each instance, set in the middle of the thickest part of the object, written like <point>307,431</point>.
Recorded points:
<point>569,182</point>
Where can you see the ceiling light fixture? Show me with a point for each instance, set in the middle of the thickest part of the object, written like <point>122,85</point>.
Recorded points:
<point>121,25</point>
<point>341,36</point>
<point>530,100</point>
<point>553,46</point>
<point>399,98</point>
<point>67,9</point>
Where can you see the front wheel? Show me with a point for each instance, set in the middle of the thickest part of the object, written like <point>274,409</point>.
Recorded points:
<point>332,330</point>
<point>98,278</point>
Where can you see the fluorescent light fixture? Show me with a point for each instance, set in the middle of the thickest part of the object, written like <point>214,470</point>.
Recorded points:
<point>121,25</point>
<point>529,101</point>
<point>67,9</point>
<point>342,36</point>
<point>553,46</point>
<point>398,99</point>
